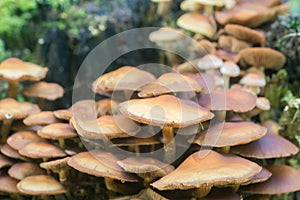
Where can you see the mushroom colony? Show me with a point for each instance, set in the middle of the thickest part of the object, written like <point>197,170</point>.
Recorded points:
<point>192,132</point>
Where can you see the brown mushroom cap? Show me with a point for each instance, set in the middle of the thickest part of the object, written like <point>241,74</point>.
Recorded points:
<point>155,111</point>
<point>267,147</point>
<point>262,176</point>
<point>205,168</point>
<point>197,23</point>
<point>166,34</point>
<point>263,103</point>
<point>4,161</point>
<point>136,141</point>
<point>107,107</point>
<point>237,100</point>
<point>57,131</point>
<point>55,165</point>
<point>63,114</point>
<point>44,90</point>
<point>20,139</point>
<point>124,78</point>
<point>14,69</point>
<point>262,57</point>
<point>8,184</point>
<point>21,170</point>
<point>12,153</point>
<point>245,33</point>
<point>42,118</point>
<point>206,81</point>
<point>227,56</point>
<point>40,185</point>
<point>20,126</point>
<point>284,179</point>
<point>41,150</point>
<point>189,66</point>
<point>168,83</point>
<point>100,164</point>
<point>230,134</point>
<point>232,44</point>
<point>18,110</point>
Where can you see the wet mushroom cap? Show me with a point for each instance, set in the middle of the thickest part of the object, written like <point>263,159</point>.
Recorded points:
<point>14,69</point>
<point>40,185</point>
<point>262,176</point>
<point>284,179</point>
<point>166,34</point>
<point>176,113</point>
<point>18,110</point>
<point>267,147</point>
<point>44,90</point>
<point>168,83</point>
<point>230,134</point>
<point>124,78</point>
<point>42,118</point>
<point>8,184</point>
<point>20,139</point>
<point>57,131</point>
<point>21,170</point>
<point>101,164</point>
<point>194,171</point>
<point>265,57</point>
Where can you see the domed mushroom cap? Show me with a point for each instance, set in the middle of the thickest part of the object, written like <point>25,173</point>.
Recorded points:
<point>230,69</point>
<point>209,61</point>
<point>262,176</point>
<point>263,103</point>
<point>197,23</point>
<point>8,184</point>
<point>14,69</point>
<point>20,139</point>
<point>57,131</point>
<point>166,34</point>
<point>124,78</point>
<point>40,185</point>
<point>44,90</point>
<point>155,111</point>
<point>63,114</point>
<point>4,161</point>
<point>148,167</point>
<point>18,110</point>
<point>55,165</point>
<point>232,44</point>
<point>246,34</point>
<point>237,100</point>
<point>253,79</point>
<point>42,118</point>
<point>265,57</point>
<point>284,179</point>
<point>190,5</point>
<point>230,134</point>
<point>168,83</point>
<point>205,168</point>
<point>117,126</point>
<point>12,153</point>
<point>37,150</point>
<point>101,164</point>
<point>228,56</point>
<point>267,147</point>
<point>21,170</point>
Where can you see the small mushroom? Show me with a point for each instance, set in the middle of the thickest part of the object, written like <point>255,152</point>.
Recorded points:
<point>57,166</point>
<point>9,185</point>
<point>253,81</point>
<point>209,63</point>
<point>229,69</point>
<point>12,153</point>
<point>163,7</point>
<point>262,176</point>
<point>4,161</point>
<point>232,44</point>
<point>107,107</point>
<point>22,170</point>
<point>262,104</point>
<point>63,114</point>
<point>42,118</point>
<point>20,139</point>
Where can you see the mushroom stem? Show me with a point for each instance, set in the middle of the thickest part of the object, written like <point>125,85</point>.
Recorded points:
<point>164,8</point>
<point>208,10</point>
<point>61,143</point>
<point>235,188</point>
<point>225,150</point>
<point>226,80</point>
<point>202,191</point>
<point>169,143</point>
<point>220,115</point>
<point>6,124</point>
<point>62,175</point>
<point>253,112</point>
<point>13,87</point>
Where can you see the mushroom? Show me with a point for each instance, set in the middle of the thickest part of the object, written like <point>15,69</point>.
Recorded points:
<point>190,5</point>
<point>262,176</point>
<point>44,91</point>
<point>20,139</point>
<point>14,70</point>
<point>209,63</point>
<point>175,114</point>
<point>229,134</point>
<point>63,114</point>
<point>262,104</point>
<point>188,66</point>
<point>42,118</point>
<point>229,69</point>
<point>232,44</point>
<point>57,166</point>
<point>4,161</point>
<point>205,169</point>
<point>163,7</point>
<point>9,185</point>
<point>209,5</point>
<point>12,153</point>
<point>22,170</point>
<point>107,107</point>
<point>20,126</point>
<point>253,81</point>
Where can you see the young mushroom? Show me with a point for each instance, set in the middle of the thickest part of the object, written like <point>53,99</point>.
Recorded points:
<point>163,7</point>
<point>253,81</point>
<point>22,170</point>
<point>9,185</point>
<point>209,63</point>
<point>41,118</point>
<point>229,69</point>
<point>57,166</point>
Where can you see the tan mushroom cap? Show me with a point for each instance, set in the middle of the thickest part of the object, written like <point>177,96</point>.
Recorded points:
<point>146,167</point>
<point>42,118</point>
<point>18,110</point>
<point>206,81</point>
<point>12,153</point>
<point>262,176</point>
<point>117,126</point>
<point>284,179</point>
<point>176,113</point>
<point>166,34</point>
<point>55,165</point>
<point>218,3</point>
<point>20,139</point>
<point>237,100</point>
<point>227,56</point>
<point>4,161</point>
<point>272,126</point>
<point>8,184</point>
<point>230,69</point>
<point>63,114</point>
<point>209,61</point>
<point>57,131</point>
<point>124,78</point>
<point>21,170</point>
<point>14,69</point>
<point>230,134</point>
<point>37,150</point>
<point>107,107</point>
<point>246,34</point>
<point>253,79</point>
<point>205,168</point>
<point>232,44</point>
<point>40,185</point>
<point>208,46</point>
<point>44,90</point>
<point>267,147</point>
<point>197,23</point>
<point>189,66</point>
<point>262,57</point>
<point>101,164</point>
<point>168,83</point>
<point>263,103</point>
